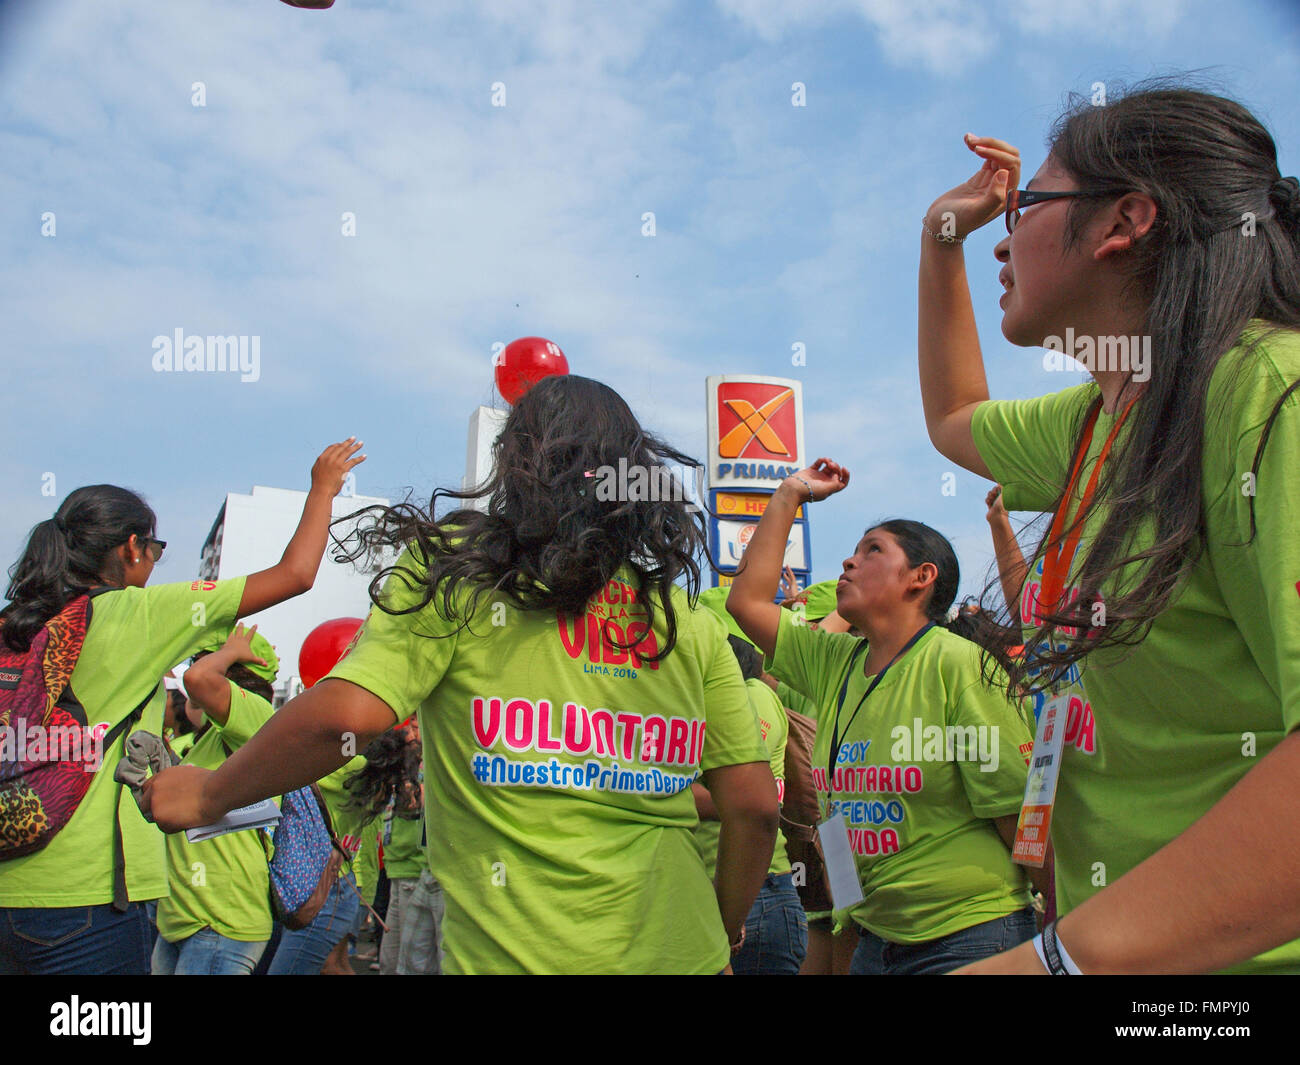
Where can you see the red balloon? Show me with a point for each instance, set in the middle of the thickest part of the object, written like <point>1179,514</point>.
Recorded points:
<point>323,647</point>
<point>524,362</point>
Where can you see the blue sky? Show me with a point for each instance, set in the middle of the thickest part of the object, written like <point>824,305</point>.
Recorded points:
<point>475,224</point>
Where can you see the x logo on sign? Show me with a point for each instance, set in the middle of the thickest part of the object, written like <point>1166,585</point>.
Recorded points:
<point>754,423</point>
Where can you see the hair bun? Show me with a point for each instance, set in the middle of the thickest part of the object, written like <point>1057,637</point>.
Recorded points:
<point>1285,195</point>
<point>58,524</point>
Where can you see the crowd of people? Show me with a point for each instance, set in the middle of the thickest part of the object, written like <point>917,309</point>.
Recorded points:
<point>572,762</point>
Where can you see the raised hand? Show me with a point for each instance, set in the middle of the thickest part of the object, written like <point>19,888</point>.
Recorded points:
<point>332,467</point>
<point>997,509</point>
<point>822,479</point>
<point>240,644</point>
<point>983,196</point>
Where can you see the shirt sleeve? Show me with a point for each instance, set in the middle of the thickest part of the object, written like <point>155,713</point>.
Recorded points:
<point>732,735</point>
<point>183,618</point>
<point>992,735</point>
<point>810,661</point>
<point>1027,444</point>
<point>248,713</point>
<point>400,658</point>
<point>769,706</point>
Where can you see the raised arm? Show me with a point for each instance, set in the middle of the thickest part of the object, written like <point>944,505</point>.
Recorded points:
<point>309,738</point>
<point>752,598</point>
<point>295,573</point>
<point>1012,566</point>
<point>948,347</point>
<point>205,681</point>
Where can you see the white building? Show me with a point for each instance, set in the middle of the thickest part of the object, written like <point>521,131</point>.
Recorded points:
<point>251,533</point>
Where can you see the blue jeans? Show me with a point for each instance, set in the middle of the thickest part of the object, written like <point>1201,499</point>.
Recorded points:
<point>878,957</point>
<point>776,931</point>
<point>81,940</point>
<point>302,953</point>
<point>206,953</point>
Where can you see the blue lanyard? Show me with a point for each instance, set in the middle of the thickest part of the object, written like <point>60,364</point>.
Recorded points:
<point>844,690</point>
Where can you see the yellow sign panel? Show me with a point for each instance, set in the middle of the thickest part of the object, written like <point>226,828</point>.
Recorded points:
<point>745,505</point>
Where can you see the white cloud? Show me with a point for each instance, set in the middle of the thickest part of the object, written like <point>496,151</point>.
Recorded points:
<point>943,36</point>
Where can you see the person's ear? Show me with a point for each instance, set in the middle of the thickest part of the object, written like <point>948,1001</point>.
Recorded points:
<point>925,575</point>
<point>136,549</point>
<point>1126,222</point>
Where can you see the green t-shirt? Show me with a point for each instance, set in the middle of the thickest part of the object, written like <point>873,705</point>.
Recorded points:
<point>403,855</point>
<point>366,863</point>
<point>796,701</point>
<point>774,728</point>
<point>557,771</point>
<point>181,744</point>
<point>136,635</point>
<point>220,883</point>
<point>931,758</point>
<point>1171,725</point>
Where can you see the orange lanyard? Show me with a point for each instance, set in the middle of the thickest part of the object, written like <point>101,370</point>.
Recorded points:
<point>1059,555</point>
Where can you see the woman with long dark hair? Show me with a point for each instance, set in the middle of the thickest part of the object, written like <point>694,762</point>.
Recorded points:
<point>78,903</point>
<point>568,697</point>
<point>916,761</point>
<point>1159,244</point>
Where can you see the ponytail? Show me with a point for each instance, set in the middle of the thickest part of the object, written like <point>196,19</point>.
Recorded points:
<point>69,554</point>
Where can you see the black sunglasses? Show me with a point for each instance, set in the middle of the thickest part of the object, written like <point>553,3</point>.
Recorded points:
<point>1019,199</point>
<point>154,547</point>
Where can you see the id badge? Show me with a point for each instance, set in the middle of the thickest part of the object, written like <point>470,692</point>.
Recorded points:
<point>1033,829</point>
<point>841,869</point>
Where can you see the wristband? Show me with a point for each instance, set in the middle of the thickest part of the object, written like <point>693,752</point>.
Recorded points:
<point>805,484</point>
<point>1051,952</point>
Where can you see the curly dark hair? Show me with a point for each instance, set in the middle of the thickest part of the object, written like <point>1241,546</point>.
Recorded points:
<point>548,538</point>
<point>392,772</point>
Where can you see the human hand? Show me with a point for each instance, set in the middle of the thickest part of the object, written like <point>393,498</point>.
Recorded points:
<point>983,196</point>
<point>997,511</point>
<point>240,645</point>
<point>790,593</point>
<point>820,480</point>
<point>174,799</point>
<point>333,465</point>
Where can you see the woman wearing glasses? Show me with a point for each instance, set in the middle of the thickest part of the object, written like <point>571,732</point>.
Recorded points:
<point>78,904</point>
<point>1158,223</point>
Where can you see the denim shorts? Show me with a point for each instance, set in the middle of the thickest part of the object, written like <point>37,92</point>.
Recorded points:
<point>878,957</point>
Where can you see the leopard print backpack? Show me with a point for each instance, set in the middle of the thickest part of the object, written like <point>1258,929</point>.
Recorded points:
<point>48,754</point>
